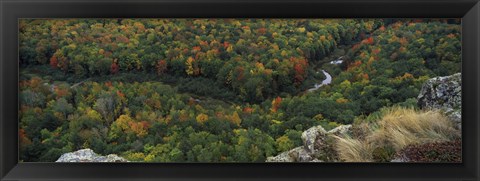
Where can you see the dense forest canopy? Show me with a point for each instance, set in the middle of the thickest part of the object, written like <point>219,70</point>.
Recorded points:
<point>215,90</point>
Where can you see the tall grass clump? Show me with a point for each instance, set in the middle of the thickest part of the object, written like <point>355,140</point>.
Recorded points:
<point>397,128</point>
<point>354,150</point>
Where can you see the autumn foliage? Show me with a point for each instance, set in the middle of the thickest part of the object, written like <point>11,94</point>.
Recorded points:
<point>368,41</point>
<point>217,90</point>
<point>161,67</point>
<point>114,68</point>
<point>276,104</point>
<point>300,66</point>
<point>54,62</point>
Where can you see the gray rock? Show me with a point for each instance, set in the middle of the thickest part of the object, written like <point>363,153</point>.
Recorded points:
<point>400,159</point>
<point>316,160</point>
<point>313,145</point>
<point>87,155</point>
<point>341,130</point>
<point>298,154</point>
<point>309,137</point>
<point>282,157</point>
<point>444,93</point>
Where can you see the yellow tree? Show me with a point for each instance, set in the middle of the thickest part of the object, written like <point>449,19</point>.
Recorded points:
<point>189,64</point>
<point>235,118</point>
<point>202,118</point>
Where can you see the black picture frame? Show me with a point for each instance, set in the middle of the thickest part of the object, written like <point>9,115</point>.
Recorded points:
<point>12,10</point>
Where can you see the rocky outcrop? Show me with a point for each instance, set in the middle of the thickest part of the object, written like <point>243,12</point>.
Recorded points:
<point>315,145</point>
<point>283,157</point>
<point>313,137</point>
<point>441,93</point>
<point>341,130</point>
<point>298,154</point>
<point>444,93</point>
<point>87,155</point>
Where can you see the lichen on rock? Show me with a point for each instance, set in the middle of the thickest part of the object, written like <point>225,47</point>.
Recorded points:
<point>315,145</point>
<point>88,155</point>
<point>443,93</point>
<point>311,136</point>
<point>341,130</point>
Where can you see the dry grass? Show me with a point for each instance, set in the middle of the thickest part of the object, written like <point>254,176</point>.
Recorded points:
<point>353,150</point>
<point>398,128</point>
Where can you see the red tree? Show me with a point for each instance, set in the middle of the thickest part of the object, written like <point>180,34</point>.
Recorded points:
<point>262,31</point>
<point>300,66</point>
<point>54,62</point>
<point>114,68</point>
<point>382,28</point>
<point>161,66</point>
<point>368,41</point>
<point>276,104</point>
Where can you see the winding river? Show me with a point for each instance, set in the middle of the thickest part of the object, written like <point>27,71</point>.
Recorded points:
<point>327,81</point>
<point>328,78</point>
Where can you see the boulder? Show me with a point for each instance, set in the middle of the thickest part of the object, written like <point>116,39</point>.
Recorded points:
<point>445,94</point>
<point>400,159</point>
<point>314,143</point>
<point>298,154</point>
<point>311,136</point>
<point>341,130</point>
<point>88,155</point>
<point>282,157</point>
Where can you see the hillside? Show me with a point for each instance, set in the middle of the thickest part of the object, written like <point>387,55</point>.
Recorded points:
<point>218,90</point>
<point>398,134</point>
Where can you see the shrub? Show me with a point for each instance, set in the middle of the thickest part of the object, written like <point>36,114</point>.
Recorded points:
<point>383,154</point>
<point>134,156</point>
<point>450,151</point>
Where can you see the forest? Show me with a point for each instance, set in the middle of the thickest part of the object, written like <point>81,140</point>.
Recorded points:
<point>216,90</point>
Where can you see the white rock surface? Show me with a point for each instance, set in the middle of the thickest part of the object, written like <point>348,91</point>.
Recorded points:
<point>88,155</point>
